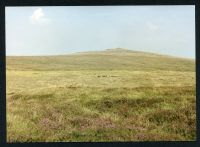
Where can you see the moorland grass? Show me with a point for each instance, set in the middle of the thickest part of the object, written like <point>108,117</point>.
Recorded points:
<point>128,96</point>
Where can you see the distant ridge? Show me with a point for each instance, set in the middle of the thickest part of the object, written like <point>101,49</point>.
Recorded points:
<point>109,59</point>
<point>124,51</point>
<point>114,51</point>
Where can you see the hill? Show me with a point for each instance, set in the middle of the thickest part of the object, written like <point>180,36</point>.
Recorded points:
<point>111,95</point>
<point>111,59</point>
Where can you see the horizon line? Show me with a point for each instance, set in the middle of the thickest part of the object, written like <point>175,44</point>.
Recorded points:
<point>88,51</point>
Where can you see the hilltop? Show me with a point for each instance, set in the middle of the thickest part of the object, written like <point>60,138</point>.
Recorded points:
<point>110,59</point>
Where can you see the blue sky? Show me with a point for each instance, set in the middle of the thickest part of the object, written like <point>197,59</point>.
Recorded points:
<point>69,29</point>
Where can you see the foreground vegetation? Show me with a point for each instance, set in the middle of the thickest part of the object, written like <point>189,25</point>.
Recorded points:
<point>115,95</point>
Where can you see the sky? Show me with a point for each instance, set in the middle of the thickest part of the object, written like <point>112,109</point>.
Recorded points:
<point>69,29</point>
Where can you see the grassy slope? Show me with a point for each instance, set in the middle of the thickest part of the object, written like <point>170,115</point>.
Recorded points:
<point>106,60</point>
<point>115,95</point>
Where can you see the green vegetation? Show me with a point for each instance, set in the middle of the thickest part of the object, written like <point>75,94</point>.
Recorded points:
<point>113,95</point>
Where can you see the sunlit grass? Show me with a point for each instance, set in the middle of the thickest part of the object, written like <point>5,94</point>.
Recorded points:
<point>153,99</point>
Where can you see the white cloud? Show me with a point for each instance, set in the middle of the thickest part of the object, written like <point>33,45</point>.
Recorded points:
<point>151,26</point>
<point>38,17</point>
